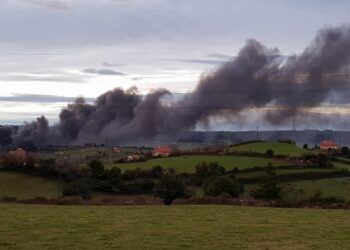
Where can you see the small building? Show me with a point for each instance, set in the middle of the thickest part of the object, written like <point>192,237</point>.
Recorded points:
<point>131,158</point>
<point>116,150</point>
<point>163,151</point>
<point>325,145</point>
<point>19,153</point>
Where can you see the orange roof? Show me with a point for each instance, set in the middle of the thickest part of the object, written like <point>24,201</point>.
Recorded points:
<point>328,144</point>
<point>163,150</point>
<point>19,152</point>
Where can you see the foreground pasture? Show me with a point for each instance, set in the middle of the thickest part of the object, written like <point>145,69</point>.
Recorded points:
<point>174,227</point>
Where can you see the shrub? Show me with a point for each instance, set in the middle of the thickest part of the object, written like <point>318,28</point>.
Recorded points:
<point>139,187</point>
<point>129,175</point>
<point>345,151</point>
<point>9,199</point>
<point>156,172</point>
<point>322,161</point>
<point>205,171</point>
<point>269,152</point>
<point>305,146</point>
<point>169,188</point>
<point>77,188</point>
<point>96,168</point>
<point>268,189</point>
<point>223,185</point>
<point>114,176</point>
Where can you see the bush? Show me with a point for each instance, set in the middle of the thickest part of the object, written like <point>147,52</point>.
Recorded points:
<point>156,172</point>
<point>140,187</point>
<point>305,146</point>
<point>114,176</point>
<point>205,171</point>
<point>268,189</point>
<point>8,199</point>
<point>221,186</point>
<point>129,175</point>
<point>345,151</point>
<point>322,161</point>
<point>169,188</point>
<point>269,152</point>
<point>77,188</point>
<point>96,168</point>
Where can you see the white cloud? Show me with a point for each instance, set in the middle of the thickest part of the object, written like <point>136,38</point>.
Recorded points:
<point>52,4</point>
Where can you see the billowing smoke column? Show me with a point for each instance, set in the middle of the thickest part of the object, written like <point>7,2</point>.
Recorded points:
<point>257,77</point>
<point>116,116</point>
<point>35,133</point>
<point>5,135</point>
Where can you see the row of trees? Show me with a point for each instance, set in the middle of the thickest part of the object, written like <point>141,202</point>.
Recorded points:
<point>212,178</point>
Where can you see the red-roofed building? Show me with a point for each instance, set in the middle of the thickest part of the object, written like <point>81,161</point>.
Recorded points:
<point>325,145</point>
<point>163,151</point>
<point>19,153</point>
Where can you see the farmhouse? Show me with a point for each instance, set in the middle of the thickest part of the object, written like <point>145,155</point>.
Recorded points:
<point>163,151</point>
<point>131,158</point>
<point>325,145</point>
<point>19,153</point>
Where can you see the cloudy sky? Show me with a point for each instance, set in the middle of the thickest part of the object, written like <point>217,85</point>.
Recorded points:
<point>54,50</point>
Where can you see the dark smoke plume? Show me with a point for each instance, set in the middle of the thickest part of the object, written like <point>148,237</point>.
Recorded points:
<point>258,77</point>
<point>35,132</point>
<point>5,135</point>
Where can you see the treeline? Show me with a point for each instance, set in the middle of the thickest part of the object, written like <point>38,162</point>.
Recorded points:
<point>210,178</point>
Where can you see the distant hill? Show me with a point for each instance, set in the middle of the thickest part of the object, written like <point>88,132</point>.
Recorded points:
<point>301,137</point>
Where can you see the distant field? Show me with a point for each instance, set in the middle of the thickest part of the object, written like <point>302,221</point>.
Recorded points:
<point>336,187</point>
<point>330,187</point>
<point>187,164</point>
<point>286,171</point>
<point>81,155</point>
<point>344,159</point>
<point>278,148</point>
<point>174,227</point>
<point>23,186</point>
<point>339,165</point>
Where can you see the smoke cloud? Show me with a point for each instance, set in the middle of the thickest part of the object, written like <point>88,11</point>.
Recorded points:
<point>35,133</point>
<point>258,77</point>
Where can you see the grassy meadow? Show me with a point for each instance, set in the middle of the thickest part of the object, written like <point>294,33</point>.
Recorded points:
<point>335,187</point>
<point>278,148</point>
<point>174,227</point>
<point>85,154</point>
<point>188,163</point>
<point>24,186</point>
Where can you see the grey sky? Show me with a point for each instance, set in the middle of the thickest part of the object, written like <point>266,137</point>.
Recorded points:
<point>85,47</point>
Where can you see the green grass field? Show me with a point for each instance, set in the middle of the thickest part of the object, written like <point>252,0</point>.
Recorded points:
<point>278,148</point>
<point>285,171</point>
<point>339,165</point>
<point>335,187</point>
<point>83,155</point>
<point>23,186</point>
<point>187,163</point>
<point>330,187</point>
<point>344,159</point>
<point>174,227</point>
